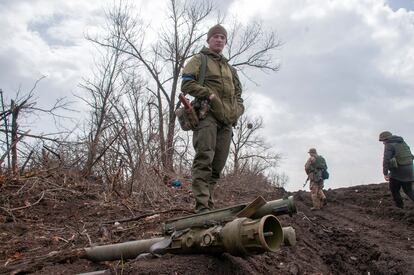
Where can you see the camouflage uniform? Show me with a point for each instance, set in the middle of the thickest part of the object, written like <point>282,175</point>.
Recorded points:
<point>314,172</point>
<point>212,137</point>
<point>397,166</point>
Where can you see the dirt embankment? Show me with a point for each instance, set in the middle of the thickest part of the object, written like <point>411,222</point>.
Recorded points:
<point>359,232</point>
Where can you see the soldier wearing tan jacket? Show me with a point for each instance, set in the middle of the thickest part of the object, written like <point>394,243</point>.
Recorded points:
<point>212,137</point>
<point>313,168</point>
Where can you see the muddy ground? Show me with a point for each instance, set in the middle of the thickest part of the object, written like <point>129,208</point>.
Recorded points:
<point>43,226</point>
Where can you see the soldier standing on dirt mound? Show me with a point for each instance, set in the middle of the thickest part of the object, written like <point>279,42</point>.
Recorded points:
<point>314,168</point>
<point>212,136</point>
<point>397,166</point>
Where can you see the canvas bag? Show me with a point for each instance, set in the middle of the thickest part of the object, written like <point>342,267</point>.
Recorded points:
<point>403,154</point>
<point>320,163</point>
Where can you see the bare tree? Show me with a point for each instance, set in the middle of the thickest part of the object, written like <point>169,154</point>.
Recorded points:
<point>252,46</point>
<point>278,179</point>
<point>20,108</point>
<point>136,150</point>
<point>249,151</point>
<point>103,94</point>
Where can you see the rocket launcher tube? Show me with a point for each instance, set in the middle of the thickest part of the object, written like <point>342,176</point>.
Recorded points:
<point>241,236</point>
<point>220,216</point>
<point>244,236</point>
<point>277,208</point>
<point>126,250</point>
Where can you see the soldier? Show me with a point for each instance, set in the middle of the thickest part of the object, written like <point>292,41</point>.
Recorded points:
<point>314,168</point>
<point>212,136</point>
<point>397,166</point>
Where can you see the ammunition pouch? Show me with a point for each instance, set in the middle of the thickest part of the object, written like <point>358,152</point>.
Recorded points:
<point>187,118</point>
<point>201,107</point>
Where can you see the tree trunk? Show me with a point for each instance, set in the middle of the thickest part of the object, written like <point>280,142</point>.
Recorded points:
<point>170,144</point>
<point>14,138</point>
<point>6,127</point>
<point>87,171</point>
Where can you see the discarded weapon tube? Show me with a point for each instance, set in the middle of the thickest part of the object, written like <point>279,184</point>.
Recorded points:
<point>241,236</point>
<point>242,229</point>
<point>126,250</point>
<point>257,209</point>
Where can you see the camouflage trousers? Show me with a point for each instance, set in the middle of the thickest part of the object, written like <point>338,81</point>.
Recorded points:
<point>211,141</point>
<point>317,194</point>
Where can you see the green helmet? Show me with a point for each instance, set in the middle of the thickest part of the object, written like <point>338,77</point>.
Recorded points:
<point>312,151</point>
<point>384,135</point>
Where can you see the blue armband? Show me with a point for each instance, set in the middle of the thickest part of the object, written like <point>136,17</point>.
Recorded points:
<point>186,77</point>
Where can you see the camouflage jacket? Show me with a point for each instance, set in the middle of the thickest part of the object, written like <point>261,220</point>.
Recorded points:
<point>221,80</point>
<point>314,164</point>
<point>314,167</point>
<point>404,171</point>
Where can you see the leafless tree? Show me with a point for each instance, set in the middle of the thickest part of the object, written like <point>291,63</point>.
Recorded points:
<point>20,108</point>
<point>102,95</point>
<point>137,149</point>
<point>249,152</point>
<point>252,46</point>
<point>278,179</point>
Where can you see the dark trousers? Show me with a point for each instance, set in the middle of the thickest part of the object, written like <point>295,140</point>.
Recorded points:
<point>395,186</point>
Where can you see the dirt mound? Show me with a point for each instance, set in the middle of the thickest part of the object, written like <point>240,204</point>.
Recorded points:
<point>44,226</point>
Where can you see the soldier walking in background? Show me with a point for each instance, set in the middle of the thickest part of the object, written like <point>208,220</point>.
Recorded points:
<point>316,169</point>
<point>397,166</point>
<point>212,137</point>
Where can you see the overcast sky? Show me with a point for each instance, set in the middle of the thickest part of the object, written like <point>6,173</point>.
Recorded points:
<point>347,72</point>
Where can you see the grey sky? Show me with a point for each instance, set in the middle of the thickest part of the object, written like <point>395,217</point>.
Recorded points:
<point>346,73</point>
<point>401,4</point>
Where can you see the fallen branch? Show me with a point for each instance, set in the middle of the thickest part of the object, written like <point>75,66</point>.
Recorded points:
<point>30,265</point>
<point>306,217</point>
<point>30,205</point>
<point>37,173</point>
<point>321,225</point>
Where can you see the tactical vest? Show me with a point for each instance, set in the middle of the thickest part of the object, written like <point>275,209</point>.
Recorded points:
<point>403,154</point>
